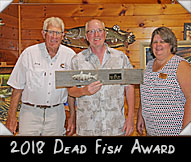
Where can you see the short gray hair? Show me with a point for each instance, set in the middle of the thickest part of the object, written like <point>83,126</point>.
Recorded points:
<point>87,23</point>
<point>55,21</point>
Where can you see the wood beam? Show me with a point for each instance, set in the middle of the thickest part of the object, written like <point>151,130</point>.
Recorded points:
<point>98,1</point>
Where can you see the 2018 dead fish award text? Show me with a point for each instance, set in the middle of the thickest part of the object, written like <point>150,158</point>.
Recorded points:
<point>100,148</point>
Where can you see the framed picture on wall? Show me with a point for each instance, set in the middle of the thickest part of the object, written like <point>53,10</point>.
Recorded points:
<point>187,31</point>
<point>5,95</point>
<point>184,50</point>
<point>5,90</point>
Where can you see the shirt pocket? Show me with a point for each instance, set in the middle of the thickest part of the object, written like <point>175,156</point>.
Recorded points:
<point>36,78</point>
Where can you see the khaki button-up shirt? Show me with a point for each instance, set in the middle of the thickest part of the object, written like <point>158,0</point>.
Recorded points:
<point>35,73</point>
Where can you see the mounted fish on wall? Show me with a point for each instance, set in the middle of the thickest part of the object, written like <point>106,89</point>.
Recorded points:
<point>116,37</point>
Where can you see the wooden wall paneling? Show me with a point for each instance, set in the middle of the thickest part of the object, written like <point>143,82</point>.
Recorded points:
<point>9,44</point>
<point>141,26</point>
<point>8,32</point>
<point>31,34</point>
<point>90,10</point>
<point>11,10</point>
<point>8,56</point>
<point>9,20</point>
<point>113,10</point>
<point>140,19</point>
<point>70,10</point>
<point>27,43</point>
<point>33,24</point>
<point>33,11</point>
<point>145,32</point>
<point>98,1</point>
<point>9,35</point>
<point>163,9</point>
<point>123,21</point>
<point>8,50</point>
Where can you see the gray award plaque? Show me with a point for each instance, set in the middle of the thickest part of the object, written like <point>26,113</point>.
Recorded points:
<point>105,76</point>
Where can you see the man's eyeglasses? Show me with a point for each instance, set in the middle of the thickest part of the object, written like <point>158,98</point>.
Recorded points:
<point>93,31</point>
<point>51,32</point>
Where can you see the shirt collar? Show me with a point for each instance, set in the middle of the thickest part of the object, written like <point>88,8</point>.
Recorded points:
<point>45,51</point>
<point>88,53</point>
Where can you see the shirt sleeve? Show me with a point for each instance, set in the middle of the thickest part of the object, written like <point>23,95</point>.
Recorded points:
<point>74,63</point>
<point>127,63</point>
<point>17,78</point>
<point>70,56</point>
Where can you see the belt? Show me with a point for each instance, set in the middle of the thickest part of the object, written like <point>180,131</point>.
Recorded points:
<point>41,106</point>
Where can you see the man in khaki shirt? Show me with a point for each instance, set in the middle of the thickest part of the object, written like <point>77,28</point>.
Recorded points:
<point>100,109</point>
<point>33,81</point>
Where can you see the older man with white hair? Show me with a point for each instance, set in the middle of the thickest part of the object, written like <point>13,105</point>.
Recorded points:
<point>33,80</point>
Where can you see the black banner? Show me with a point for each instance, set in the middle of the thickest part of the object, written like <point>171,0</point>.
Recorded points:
<point>93,148</point>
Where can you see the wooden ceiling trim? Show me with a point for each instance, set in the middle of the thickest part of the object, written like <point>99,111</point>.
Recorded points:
<point>104,10</point>
<point>98,1</point>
